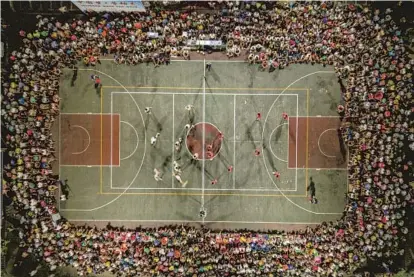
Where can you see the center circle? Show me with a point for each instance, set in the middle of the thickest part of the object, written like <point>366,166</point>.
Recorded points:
<point>211,144</point>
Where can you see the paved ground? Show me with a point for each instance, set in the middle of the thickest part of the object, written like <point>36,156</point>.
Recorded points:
<point>229,98</point>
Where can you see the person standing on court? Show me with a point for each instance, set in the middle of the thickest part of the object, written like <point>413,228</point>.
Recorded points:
<point>154,139</point>
<point>97,81</point>
<point>312,192</point>
<point>208,66</point>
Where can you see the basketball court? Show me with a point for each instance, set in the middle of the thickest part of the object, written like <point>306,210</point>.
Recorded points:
<point>105,148</point>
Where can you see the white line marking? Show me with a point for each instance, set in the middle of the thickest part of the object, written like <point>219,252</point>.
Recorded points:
<point>173,139</point>
<point>319,146</point>
<point>234,143</point>
<point>145,142</point>
<point>193,221</point>
<point>199,189</point>
<point>297,134</point>
<point>180,60</point>
<point>204,141</point>
<point>136,134</point>
<point>89,140</point>
<point>211,93</point>
<point>270,145</point>
<point>267,116</point>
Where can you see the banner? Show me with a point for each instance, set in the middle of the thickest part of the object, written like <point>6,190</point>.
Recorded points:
<point>204,42</point>
<point>110,6</point>
<point>152,35</point>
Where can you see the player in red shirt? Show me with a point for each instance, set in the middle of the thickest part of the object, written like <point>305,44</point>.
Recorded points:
<point>277,174</point>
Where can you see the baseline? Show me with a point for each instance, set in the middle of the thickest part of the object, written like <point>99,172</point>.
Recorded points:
<point>191,93</point>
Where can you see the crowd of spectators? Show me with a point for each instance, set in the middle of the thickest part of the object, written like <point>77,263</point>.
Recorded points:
<point>363,45</point>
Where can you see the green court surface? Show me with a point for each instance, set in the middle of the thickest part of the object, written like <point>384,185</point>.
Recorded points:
<point>229,98</point>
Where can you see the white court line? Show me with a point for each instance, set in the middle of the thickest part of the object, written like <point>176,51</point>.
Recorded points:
<point>145,143</point>
<point>204,141</point>
<point>199,189</point>
<point>89,140</point>
<point>267,116</point>
<point>270,137</point>
<point>193,221</point>
<point>319,146</point>
<point>173,139</point>
<point>136,134</point>
<point>323,168</point>
<point>180,60</point>
<point>297,133</point>
<point>212,93</point>
<point>234,143</point>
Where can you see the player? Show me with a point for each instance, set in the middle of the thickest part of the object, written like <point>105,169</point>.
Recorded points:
<point>208,66</point>
<point>178,144</point>
<point>177,167</point>
<point>213,182</point>
<point>285,116</point>
<point>178,178</point>
<point>209,147</point>
<point>189,108</point>
<point>195,156</point>
<point>230,168</point>
<point>276,174</point>
<point>147,110</point>
<point>258,116</point>
<point>188,126</point>
<point>154,139</point>
<point>257,152</point>
<point>210,155</point>
<point>157,175</point>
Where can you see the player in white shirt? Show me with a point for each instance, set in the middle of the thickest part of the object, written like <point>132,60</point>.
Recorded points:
<point>157,175</point>
<point>154,139</point>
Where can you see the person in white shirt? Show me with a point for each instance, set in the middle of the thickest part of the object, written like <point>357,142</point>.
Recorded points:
<point>157,175</point>
<point>154,139</point>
